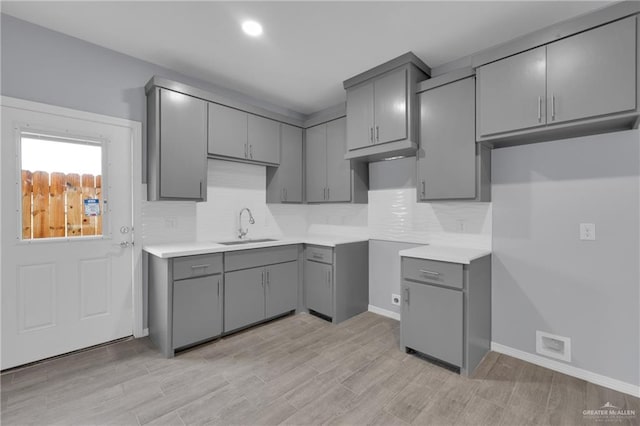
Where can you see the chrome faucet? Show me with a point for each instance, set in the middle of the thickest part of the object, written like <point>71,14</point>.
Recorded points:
<point>242,233</point>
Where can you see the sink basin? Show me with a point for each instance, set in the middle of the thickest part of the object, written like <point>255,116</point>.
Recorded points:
<point>233,243</point>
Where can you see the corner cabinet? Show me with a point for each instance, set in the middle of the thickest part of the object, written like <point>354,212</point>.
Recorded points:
<point>446,310</point>
<point>381,109</point>
<point>336,280</point>
<point>450,165</point>
<point>237,135</point>
<point>583,84</point>
<point>284,183</point>
<point>176,146</point>
<point>329,177</point>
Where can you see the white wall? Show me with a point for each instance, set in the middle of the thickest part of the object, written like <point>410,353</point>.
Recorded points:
<point>544,277</point>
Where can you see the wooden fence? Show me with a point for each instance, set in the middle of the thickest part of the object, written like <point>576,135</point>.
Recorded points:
<point>53,205</point>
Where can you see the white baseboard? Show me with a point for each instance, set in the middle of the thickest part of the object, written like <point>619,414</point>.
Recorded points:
<point>569,370</point>
<point>384,312</point>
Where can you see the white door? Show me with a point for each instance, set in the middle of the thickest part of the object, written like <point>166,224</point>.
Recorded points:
<point>67,257</point>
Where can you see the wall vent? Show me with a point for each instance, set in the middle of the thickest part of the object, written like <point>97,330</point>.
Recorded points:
<point>553,346</point>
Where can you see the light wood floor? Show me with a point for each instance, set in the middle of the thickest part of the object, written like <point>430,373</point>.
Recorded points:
<point>298,370</point>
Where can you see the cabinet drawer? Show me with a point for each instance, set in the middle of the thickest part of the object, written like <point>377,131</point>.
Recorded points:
<point>319,254</point>
<point>196,266</point>
<point>432,271</point>
<point>245,259</point>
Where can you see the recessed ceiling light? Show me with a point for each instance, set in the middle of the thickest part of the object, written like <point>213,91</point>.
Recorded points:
<point>252,28</point>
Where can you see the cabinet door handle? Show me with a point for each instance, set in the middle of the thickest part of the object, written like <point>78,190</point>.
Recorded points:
<point>328,193</point>
<point>200,188</point>
<point>285,194</point>
<point>539,109</point>
<point>268,282</point>
<point>324,193</point>
<point>218,288</point>
<point>553,107</point>
<point>424,271</point>
<point>406,295</point>
<point>329,278</point>
<point>377,134</point>
<point>424,190</point>
<point>262,279</point>
<point>251,151</point>
<point>371,134</point>
<point>204,265</point>
<point>246,153</point>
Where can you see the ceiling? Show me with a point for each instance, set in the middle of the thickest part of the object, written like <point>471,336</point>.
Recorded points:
<point>308,48</point>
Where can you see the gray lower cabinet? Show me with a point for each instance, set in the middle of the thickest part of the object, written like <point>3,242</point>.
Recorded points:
<point>177,140</point>
<point>284,183</point>
<point>450,165</point>
<point>185,300</point>
<point>336,280</point>
<point>329,177</point>
<point>259,284</point>
<point>446,310</point>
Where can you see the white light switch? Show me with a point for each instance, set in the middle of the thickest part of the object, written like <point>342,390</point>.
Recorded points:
<point>587,231</point>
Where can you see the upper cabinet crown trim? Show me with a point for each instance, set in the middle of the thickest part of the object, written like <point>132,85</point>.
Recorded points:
<point>157,81</point>
<point>441,80</point>
<point>407,58</point>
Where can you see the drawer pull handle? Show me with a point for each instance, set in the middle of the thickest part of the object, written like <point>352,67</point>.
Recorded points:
<point>316,256</point>
<point>205,265</point>
<point>424,271</point>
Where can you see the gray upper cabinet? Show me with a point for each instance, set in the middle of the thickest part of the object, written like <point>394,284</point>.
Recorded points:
<point>382,116</point>
<point>390,107</point>
<point>511,93</point>
<point>284,183</point>
<point>583,84</point>
<point>592,73</point>
<point>316,162</point>
<point>338,169</point>
<point>177,135</point>
<point>263,137</point>
<point>237,135</point>
<point>227,131</point>
<point>360,112</point>
<point>449,164</point>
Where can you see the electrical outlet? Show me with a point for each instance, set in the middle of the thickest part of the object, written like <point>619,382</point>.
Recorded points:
<point>588,231</point>
<point>170,222</point>
<point>395,299</point>
<point>461,225</point>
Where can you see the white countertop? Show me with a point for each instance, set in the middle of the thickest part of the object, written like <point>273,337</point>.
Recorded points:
<point>445,253</point>
<point>204,247</point>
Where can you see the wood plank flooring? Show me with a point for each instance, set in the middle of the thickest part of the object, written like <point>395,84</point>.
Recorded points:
<point>299,370</point>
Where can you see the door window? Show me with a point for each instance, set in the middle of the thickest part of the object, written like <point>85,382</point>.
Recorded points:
<point>61,187</point>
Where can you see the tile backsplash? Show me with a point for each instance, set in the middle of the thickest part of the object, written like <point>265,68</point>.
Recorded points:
<point>391,214</point>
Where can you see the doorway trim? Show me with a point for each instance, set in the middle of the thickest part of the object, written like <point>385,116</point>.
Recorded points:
<point>136,189</point>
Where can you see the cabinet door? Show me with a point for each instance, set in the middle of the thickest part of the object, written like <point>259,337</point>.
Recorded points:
<point>264,139</point>
<point>511,93</point>
<point>284,183</point>
<point>360,116</point>
<point>447,155</point>
<point>243,298</point>
<point>282,288</point>
<point>183,155</point>
<point>227,131</point>
<point>318,287</point>
<point>316,162</point>
<point>431,321</point>
<point>197,310</point>
<point>390,107</point>
<point>593,73</point>
<point>338,169</point>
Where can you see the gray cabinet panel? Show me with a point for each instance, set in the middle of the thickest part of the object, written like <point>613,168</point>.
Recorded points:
<point>432,321</point>
<point>390,107</point>
<point>592,73</point>
<point>284,183</point>
<point>318,285</point>
<point>316,162</point>
<point>447,155</point>
<point>281,288</point>
<point>263,139</point>
<point>360,128</point>
<point>227,131</point>
<point>511,93</point>
<point>243,298</point>
<point>244,259</point>
<point>319,253</point>
<point>197,310</point>
<point>338,169</point>
<point>183,136</point>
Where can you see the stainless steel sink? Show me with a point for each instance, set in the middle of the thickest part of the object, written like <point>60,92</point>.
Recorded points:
<point>233,243</point>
